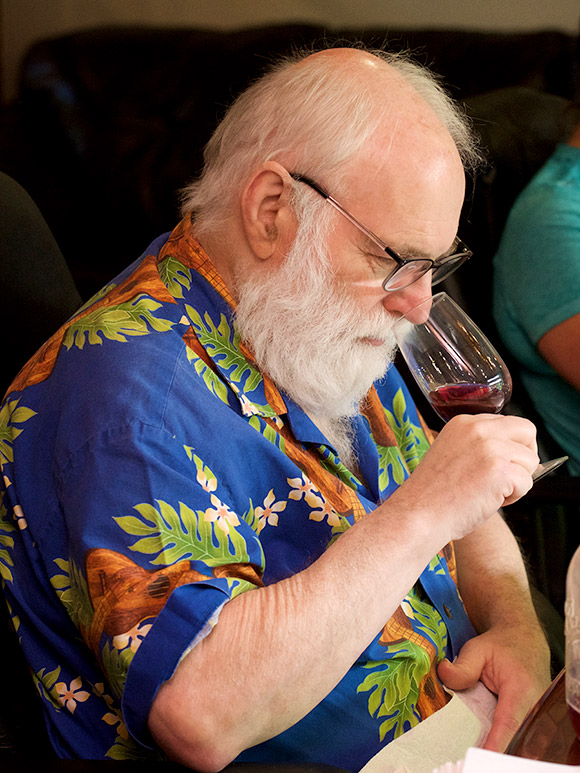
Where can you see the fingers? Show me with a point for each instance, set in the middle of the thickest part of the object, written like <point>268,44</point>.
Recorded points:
<point>517,433</point>
<point>521,430</point>
<point>504,445</point>
<point>489,459</point>
<point>516,674</point>
<point>464,672</point>
<point>521,482</point>
<point>506,720</point>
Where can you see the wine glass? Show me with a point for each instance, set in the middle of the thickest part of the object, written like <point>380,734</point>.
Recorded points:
<point>455,366</point>
<point>572,633</point>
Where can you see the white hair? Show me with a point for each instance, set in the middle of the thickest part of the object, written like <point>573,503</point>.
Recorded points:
<point>321,115</point>
<point>308,332</point>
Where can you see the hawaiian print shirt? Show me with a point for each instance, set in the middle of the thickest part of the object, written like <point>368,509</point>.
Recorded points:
<point>151,474</point>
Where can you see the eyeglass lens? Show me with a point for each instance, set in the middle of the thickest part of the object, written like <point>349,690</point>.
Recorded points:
<point>405,275</point>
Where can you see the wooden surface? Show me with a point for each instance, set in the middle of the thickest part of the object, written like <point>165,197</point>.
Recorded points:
<point>547,733</point>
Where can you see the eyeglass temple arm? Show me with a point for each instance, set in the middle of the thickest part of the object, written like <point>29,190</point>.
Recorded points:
<point>373,237</point>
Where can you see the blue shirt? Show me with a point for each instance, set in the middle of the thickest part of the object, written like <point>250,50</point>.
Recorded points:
<point>537,287</point>
<point>152,474</point>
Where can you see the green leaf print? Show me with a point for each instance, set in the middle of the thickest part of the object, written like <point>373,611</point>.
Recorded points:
<point>212,380</point>
<point>394,688</point>
<point>429,621</point>
<point>175,276</point>
<point>6,560</point>
<point>436,566</point>
<point>128,749</point>
<point>390,460</point>
<point>173,536</point>
<point>45,684</point>
<point>97,297</point>
<point>410,437</point>
<point>205,477</point>
<point>251,518</point>
<point>223,346</point>
<point>6,527</point>
<point>116,665</point>
<point>71,588</point>
<point>132,318</point>
<point>332,463</point>
<point>11,413</point>
<point>258,423</point>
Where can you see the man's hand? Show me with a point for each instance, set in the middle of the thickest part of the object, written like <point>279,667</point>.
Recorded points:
<point>512,662</point>
<point>477,465</point>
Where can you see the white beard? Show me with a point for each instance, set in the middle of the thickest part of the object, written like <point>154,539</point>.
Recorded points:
<point>307,334</point>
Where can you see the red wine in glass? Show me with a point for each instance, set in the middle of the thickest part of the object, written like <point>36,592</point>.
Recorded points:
<point>450,400</point>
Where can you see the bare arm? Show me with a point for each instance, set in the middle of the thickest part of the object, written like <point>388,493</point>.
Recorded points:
<point>278,651</point>
<point>511,656</point>
<point>560,347</point>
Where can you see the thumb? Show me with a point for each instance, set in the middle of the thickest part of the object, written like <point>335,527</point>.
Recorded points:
<point>464,672</point>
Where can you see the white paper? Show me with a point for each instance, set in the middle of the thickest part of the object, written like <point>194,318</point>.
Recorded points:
<point>446,735</point>
<point>484,761</point>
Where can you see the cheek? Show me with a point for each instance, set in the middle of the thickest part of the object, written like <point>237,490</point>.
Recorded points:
<point>368,296</point>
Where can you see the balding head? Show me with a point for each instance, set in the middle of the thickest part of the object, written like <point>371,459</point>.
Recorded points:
<point>314,114</point>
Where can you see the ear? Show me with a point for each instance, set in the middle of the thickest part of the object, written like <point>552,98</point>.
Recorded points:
<point>268,220</point>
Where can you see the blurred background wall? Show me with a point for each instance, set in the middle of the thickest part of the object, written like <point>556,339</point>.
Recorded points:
<point>24,21</point>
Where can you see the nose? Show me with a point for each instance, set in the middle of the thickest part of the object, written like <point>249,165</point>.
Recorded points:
<point>403,302</point>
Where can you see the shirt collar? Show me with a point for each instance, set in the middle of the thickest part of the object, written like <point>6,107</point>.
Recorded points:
<point>208,307</point>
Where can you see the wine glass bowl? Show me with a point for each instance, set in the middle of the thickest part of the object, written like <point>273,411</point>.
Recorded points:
<point>456,367</point>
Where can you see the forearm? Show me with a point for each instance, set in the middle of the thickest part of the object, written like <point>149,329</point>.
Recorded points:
<point>492,577</point>
<point>560,348</point>
<point>276,652</point>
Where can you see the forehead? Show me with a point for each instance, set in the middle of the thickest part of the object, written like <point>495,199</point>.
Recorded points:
<point>408,186</point>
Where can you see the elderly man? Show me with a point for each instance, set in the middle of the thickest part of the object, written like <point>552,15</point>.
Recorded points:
<point>222,553</point>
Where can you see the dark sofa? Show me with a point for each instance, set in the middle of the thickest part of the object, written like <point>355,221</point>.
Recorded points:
<point>109,124</point>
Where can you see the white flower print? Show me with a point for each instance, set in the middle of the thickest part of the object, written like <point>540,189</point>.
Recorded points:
<point>71,695</point>
<point>132,638</point>
<point>20,519</point>
<point>268,514</point>
<point>324,510</point>
<point>221,515</point>
<point>300,487</point>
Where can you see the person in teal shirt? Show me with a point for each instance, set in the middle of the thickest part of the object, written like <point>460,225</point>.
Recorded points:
<point>536,301</point>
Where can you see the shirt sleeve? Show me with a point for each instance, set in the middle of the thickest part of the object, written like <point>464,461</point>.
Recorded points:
<point>158,551</point>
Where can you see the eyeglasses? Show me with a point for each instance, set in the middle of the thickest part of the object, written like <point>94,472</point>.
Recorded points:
<point>407,270</point>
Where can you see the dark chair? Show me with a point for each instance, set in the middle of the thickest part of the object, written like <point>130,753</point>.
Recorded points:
<point>36,286</point>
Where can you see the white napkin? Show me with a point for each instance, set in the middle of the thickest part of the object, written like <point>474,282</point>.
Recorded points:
<point>446,735</point>
<point>482,761</point>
